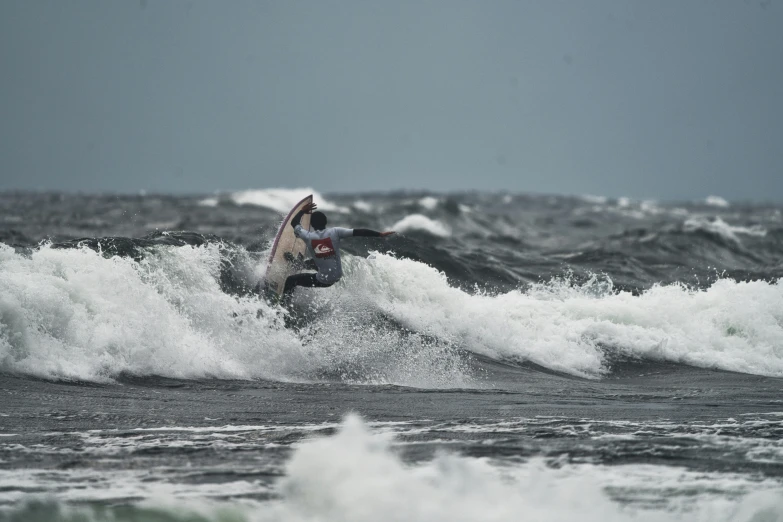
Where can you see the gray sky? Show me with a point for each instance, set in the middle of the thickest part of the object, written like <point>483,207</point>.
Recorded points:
<point>667,99</point>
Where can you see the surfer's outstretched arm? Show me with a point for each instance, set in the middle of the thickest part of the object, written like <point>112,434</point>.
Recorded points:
<point>366,232</point>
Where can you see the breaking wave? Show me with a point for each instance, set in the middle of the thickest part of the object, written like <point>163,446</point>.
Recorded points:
<point>574,328</point>
<point>78,313</point>
<point>73,313</point>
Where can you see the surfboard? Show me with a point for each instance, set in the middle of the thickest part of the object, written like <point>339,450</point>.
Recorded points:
<point>286,245</point>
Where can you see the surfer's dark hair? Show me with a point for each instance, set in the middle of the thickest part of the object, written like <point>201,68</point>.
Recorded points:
<point>318,220</point>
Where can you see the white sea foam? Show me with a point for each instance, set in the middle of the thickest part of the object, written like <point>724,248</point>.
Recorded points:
<point>720,227</point>
<point>732,326</point>
<point>71,313</point>
<point>362,205</point>
<point>420,222</point>
<point>356,475</point>
<point>282,200</point>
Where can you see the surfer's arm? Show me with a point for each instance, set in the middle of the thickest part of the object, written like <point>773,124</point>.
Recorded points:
<point>299,230</point>
<point>301,233</point>
<point>356,232</point>
<point>307,209</point>
<point>366,232</point>
<point>297,219</point>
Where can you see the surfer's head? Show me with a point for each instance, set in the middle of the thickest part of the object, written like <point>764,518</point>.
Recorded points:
<point>318,220</point>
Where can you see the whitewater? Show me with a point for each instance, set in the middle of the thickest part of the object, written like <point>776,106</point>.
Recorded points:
<point>74,314</point>
<point>562,357</point>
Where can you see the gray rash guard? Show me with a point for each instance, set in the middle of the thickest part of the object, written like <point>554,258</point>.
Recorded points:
<point>324,246</point>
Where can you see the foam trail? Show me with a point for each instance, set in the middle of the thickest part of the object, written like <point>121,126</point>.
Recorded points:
<point>735,326</point>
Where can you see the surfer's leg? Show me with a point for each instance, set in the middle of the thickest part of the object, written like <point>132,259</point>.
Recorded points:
<point>315,283</point>
<point>305,279</point>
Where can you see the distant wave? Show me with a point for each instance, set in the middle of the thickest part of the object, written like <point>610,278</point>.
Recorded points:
<point>595,200</point>
<point>362,206</point>
<point>429,202</point>
<point>421,223</point>
<point>720,227</point>
<point>716,201</point>
<point>278,199</point>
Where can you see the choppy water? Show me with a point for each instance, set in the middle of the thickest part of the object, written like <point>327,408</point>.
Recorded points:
<point>506,357</point>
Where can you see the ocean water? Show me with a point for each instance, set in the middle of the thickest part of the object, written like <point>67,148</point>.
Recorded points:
<point>505,357</point>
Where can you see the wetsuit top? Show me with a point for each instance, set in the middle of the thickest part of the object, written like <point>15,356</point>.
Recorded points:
<point>324,246</point>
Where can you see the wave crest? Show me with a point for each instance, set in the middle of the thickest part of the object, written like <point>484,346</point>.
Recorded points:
<point>735,326</point>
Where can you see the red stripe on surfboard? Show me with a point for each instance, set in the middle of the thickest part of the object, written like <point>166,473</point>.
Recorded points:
<point>279,233</point>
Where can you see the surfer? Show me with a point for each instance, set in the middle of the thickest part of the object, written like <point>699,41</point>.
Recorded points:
<point>324,247</point>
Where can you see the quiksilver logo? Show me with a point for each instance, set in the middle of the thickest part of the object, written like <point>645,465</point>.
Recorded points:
<point>323,249</point>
